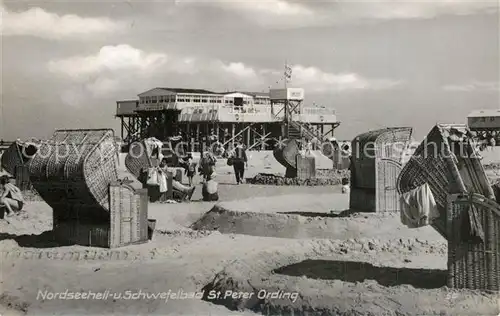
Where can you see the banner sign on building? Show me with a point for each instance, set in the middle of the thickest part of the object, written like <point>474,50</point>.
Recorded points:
<point>287,94</point>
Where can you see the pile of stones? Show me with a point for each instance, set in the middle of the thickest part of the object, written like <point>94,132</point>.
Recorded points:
<point>323,177</point>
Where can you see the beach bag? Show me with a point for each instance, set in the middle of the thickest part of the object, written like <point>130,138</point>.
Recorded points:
<point>153,177</point>
<point>209,191</point>
<point>345,189</point>
<point>211,186</point>
<point>162,179</point>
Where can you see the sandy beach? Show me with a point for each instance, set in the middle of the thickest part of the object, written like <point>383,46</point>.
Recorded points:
<point>272,241</point>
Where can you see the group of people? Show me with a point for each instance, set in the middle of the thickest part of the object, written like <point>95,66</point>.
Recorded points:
<point>206,168</point>
<point>12,202</point>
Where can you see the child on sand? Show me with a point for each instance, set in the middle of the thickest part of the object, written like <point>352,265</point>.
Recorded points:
<point>345,185</point>
<point>190,169</point>
<point>11,198</point>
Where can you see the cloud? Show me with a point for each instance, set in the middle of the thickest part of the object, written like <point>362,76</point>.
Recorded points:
<point>255,7</point>
<point>475,86</point>
<point>108,59</point>
<point>239,70</point>
<point>311,78</point>
<point>272,13</point>
<point>280,13</point>
<point>40,23</point>
<point>186,65</point>
<point>104,86</point>
<point>114,70</point>
<point>415,9</point>
<point>111,70</point>
<point>314,79</point>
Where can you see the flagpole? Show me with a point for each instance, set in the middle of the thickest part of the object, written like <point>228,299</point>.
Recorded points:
<point>286,94</point>
<point>285,72</point>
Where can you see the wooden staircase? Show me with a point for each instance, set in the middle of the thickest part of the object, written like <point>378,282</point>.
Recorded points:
<point>294,131</point>
<point>298,130</point>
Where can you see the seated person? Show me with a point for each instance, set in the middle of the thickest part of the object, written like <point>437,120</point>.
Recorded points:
<point>11,198</point>
<point>187,191</point>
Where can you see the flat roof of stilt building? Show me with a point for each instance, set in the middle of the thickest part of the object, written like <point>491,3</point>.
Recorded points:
<point>200,91</point>
<point>485,113</point>
<point>180,90</point>
<point>253,94</point>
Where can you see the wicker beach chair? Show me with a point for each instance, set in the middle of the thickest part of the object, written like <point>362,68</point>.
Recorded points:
<point>76,173</point>
<point>469,219</point>
<point>15,161</point>
<point>286,155</point>
<point>139,158</point>
<point>375,166</point>
<point>473,242</point>
<point>76,165</point>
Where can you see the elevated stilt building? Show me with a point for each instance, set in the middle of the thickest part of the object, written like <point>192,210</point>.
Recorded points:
<point>198,115</point>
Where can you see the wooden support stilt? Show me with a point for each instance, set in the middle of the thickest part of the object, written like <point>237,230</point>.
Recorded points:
<point>198,138</point>
<point>121,119</point>
<point>263,145</point>
<point>207,134</point>
<point>249,130</point>
<point>217,131</point>
<point>232,134</point>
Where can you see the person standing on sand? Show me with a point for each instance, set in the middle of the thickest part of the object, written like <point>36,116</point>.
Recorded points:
<point>190,168</point>
<point>11,198</point>
<point>240,160</point>
<point>206,165</point>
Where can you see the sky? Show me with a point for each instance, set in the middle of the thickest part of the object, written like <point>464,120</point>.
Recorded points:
<point>64,64</point>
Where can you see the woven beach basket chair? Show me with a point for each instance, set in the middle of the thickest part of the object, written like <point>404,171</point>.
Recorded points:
<point>76,167</point>
<point>286,154</point>
<point>19,153</point>
<point>375,165</point>
<point>138,158</point>
<point>448,162</point>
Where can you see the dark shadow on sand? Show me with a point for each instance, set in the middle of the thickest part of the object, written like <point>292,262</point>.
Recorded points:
<point>346,213</point>
<point>350,271</point>
<point>44,240</point>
